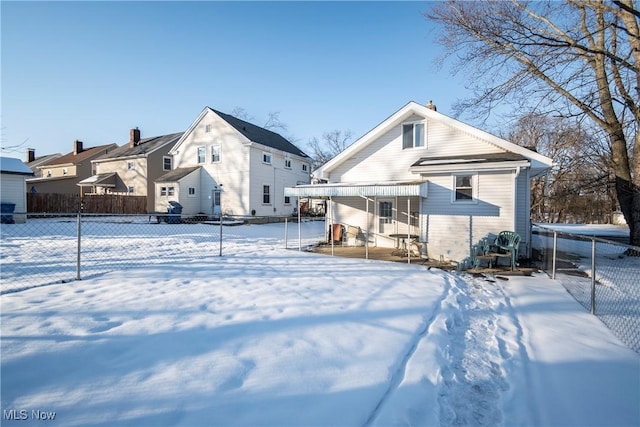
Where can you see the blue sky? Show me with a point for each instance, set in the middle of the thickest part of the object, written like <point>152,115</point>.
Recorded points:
<point>93,70</point>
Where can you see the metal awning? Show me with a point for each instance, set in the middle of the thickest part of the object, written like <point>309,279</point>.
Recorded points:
<point>384,189</point>
<point>99,180</point>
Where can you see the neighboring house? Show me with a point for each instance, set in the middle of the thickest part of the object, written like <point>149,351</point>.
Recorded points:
<point>62,174</point>
<point>132,168</point>
<point>251,165</point>
<point>422,173</point>
<point>13,188</point>
<point>34,162</point>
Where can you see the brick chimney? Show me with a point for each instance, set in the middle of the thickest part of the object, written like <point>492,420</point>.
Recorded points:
<point>134,137</point>
<point>31,155</point>
<point>431,106</point>
<point>77,147</point>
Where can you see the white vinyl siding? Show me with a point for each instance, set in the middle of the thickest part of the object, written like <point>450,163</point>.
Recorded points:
<point>453,228</point>
<point>14,190</point>
<point>372,162</point>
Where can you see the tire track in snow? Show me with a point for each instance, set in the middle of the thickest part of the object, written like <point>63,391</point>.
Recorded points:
<point>399,373</point>
<point>473,380</point>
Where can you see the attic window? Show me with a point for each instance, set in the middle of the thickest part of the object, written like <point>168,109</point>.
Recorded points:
<point>413,135</point>
<point>266,158</point>
<point>131,166</point>
<point>207,128</point>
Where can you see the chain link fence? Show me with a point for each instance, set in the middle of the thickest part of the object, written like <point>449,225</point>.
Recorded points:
<point>58,248</point>
<point>603,275</point>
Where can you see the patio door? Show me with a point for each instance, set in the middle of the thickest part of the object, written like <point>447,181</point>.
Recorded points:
<point>216,206</point>
<point>386,223</point>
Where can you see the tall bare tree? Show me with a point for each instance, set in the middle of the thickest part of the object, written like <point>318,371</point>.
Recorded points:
<point>578,185</point>
<point>571,58</point>
<point>327,147</point>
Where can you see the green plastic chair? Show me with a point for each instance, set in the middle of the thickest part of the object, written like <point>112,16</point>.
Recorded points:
<point>509,241</point>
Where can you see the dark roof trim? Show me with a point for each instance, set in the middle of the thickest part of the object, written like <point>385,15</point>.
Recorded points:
<point>260,135</point>
<point>469,159</point>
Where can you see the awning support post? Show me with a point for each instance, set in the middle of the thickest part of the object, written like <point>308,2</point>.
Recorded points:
<point>299,229</point>
<point>408,230</point>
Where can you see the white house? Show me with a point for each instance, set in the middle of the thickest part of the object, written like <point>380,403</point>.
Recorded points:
<point>250,164</point>
<point>420,173</point>
<point>13,189</point>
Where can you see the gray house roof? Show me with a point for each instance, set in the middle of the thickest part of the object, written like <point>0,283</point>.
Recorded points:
<point>176,174</point>
<point>13,166</point>
<point>260,135</point>
<point>143,147</point>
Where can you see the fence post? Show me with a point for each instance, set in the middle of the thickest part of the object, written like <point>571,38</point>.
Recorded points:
<point>593,275</point>
<point>220,233</point>
<point>79,233</point>
<point>555,247</point>
<point>286,233</point>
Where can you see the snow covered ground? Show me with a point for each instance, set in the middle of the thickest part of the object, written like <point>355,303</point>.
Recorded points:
<point>266,336</point>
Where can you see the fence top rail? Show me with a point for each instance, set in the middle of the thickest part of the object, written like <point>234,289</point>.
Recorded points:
<point>587,237</point>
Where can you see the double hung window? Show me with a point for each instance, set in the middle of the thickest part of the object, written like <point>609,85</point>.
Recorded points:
<point>413,135</point>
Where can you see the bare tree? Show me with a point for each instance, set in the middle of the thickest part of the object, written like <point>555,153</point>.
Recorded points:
<point>571,59</point>
<point>331,144</point>
<point>578,186</point>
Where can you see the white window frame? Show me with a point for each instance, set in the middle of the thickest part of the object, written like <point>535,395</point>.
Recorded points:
<point>287,162</point>
<point>423,141</point>
<point>266,158</point>
<point>131,166</point>
<point>287,200</point>
<point>130,190</point>
<point>171,191</point>
<point>207,128</point>
<point>474,187</point>
<point>163,191</point>
<point>65,171</point>
<point>201,149</point>
<point>164,164</point>
<point>191,192</point>
<point>267,194</point>
<point>213,156</point>
<point>304,167</point>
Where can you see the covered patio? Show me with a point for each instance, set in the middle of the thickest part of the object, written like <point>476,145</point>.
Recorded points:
<point>371,214</point>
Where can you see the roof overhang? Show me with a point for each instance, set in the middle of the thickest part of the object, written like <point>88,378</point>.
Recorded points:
<point>469,166</point>
<point>99,180</point>
<point>361,189</point>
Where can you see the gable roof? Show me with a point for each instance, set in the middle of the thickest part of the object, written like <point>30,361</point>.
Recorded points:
<point>539,163</point>
<point>144,147</point>
<point>87,153</point>
<point>14,166</point>
<point>260,135</point>
<point>42,160</point>
<point>177,174</point>
<point>250,131</point>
